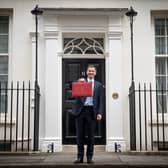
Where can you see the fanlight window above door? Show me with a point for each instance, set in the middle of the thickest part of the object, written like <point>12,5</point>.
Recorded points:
<point>84,46</point>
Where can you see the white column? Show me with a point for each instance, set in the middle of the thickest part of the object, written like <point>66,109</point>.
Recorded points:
<point>53,89</point>
<point>114,113</point>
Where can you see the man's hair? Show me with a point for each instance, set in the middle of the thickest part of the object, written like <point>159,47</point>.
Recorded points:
<point>91,66</point>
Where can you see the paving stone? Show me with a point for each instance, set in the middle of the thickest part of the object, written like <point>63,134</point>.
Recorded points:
<point>102,160</point>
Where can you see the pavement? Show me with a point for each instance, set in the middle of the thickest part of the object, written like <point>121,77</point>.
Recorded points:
<point>102,159</point>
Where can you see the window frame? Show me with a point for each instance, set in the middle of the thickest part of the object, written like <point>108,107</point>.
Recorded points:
<point>83,35</point>
<point>84,40</point>
<point>157,56</point>
<point>8,54</point>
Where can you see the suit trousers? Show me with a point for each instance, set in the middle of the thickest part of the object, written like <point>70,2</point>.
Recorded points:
<point>85,122</point>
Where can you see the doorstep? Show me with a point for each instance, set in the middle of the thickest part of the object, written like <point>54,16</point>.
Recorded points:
<point>102,160</point>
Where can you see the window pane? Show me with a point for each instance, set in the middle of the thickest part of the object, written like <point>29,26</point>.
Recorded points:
<point>167,25</point>
<point>159,26</point>
<point>2,105</point>
<point>3,96</point>
<point>76,51</point>
<point>100,42</point>
<point>77,41</point>
<point>89,41</point>
<point>98,50</point>
<point>3,81</point>
<point>160,45</point>
<point>66,41</point>
<point>162,104</point>
<point>90,50</point>
<point>167,46</point>
<point>3,78</point>
<point>161,83</point>
<point>3,65</point>
<point>3,43</point>
<point>83,46</point>
<point>68,50</point>
<point>4,24</point>
<point>167,67</point>
<point>161,66</point>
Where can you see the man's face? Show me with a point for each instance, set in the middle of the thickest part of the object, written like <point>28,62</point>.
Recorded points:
<point>91,72</point>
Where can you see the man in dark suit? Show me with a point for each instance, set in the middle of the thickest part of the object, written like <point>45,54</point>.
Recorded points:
<point>88,110</point>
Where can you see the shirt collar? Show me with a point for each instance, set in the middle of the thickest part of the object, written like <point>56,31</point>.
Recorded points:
<point>92,80</point>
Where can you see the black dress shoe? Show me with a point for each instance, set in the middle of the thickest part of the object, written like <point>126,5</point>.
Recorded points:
<point>90,161</point>
<point>78,161</point>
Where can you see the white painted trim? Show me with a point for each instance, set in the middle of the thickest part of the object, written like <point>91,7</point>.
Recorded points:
<point>4,54</point>
<point>51,139</point>
<point>83,34</point>
<point>94,56</point>
<point>53,92</point>
<point>114,112</point>
<point>85,11</point>
<point>60,54</point>
<point>84,29</point>
<point>80,56</point>
<point>50,27</point>
<point>33,36</point>
<point>112,35</point>
<point>119,141</point>
<point>116,139</point>
<point>51,34</point>
<point>51,31</point>
<point>45,142</point>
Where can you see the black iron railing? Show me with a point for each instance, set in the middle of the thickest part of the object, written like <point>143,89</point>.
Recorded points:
<point>148,117</point>
<point>19,116</point>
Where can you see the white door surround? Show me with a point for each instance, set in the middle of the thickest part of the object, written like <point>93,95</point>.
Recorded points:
<point>55,27</point>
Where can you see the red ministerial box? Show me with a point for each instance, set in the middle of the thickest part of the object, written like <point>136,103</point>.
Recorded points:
<point>81,89</point>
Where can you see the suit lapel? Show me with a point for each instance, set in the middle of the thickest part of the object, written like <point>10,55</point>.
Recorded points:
<point>95,85</point>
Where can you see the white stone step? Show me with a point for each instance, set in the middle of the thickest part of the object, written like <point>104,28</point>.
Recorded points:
<point>73,148</point>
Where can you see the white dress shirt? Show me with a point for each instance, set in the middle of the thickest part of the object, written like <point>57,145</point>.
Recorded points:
<point>89,100</point>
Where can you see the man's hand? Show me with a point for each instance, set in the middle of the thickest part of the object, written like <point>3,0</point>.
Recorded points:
<point>99,117</point>
<point>81,80</point>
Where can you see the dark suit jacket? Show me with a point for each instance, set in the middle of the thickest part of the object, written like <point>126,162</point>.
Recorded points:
<point>97,101</point>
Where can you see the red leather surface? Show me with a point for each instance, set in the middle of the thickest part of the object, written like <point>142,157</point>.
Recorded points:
<point>81,89</point>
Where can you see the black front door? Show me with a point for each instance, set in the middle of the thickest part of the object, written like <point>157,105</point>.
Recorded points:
<point>72,70</point>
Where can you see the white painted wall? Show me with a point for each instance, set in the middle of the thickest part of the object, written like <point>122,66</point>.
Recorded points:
<point>21,29</point>
<point>50,31</point>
